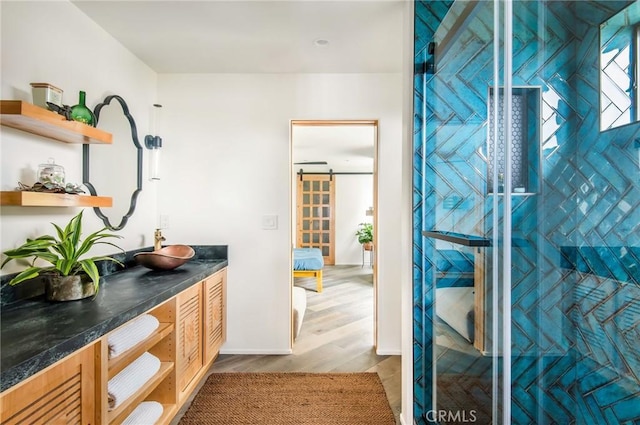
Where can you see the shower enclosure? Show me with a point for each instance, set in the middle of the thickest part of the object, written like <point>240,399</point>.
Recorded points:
<point>527,212</point>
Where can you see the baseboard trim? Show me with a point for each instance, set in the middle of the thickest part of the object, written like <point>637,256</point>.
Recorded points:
<point>389,352</point>
<point>402,421</point>
<point>257,352</point>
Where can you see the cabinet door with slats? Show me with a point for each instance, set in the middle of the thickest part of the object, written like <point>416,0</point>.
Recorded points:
<point>62,394</point>
<point>214,315</point>
<point>189,336</point>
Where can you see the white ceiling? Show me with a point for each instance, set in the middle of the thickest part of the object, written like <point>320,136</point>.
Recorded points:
<point>240,36</point>
<point>345,148</point>
<point>263,36</point>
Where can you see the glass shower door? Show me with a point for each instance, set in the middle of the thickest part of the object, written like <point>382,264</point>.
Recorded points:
<point>463,219</point>
<point>527,244</point>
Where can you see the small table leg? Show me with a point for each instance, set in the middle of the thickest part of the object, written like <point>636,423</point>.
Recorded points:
<point>319,281</point>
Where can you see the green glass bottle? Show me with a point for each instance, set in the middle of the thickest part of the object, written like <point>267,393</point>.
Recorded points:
<point>81,113</point>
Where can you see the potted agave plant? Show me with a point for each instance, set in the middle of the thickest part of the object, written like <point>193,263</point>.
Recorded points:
<point>68,277</point>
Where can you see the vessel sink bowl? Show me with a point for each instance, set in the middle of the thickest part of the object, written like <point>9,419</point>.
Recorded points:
<point>167,258</point>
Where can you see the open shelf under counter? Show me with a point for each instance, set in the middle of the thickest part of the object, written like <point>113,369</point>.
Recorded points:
<point>43,199</point>
<point>168,412</point>
<point>36,120</point>
<point>120,413</point>
<point>116,364</point>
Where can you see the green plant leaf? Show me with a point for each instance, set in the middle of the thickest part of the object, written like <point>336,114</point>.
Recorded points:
<point>90,268</point>
<point>47,256</point>
<point>65,266</point>
<point>27,274</point>
<point>59,231</point>
<point>32,248</point>
<point>365,233</point>
<point>103,258</point>
<point>111,244</point>
<point>63,252</point>
<point>34,245</point>
<point>44,238</point>
<point>93,239</point>
<point>69,227</point>
<point>76,229</point>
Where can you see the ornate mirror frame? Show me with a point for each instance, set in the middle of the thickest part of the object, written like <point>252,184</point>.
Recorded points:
<point>86,170</point>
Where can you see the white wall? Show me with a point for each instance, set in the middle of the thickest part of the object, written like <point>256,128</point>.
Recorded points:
<point>54,42</point>
<point>227,163</point>
<point>225,159</point>
<point>406,215</point>
<point>354,195</point>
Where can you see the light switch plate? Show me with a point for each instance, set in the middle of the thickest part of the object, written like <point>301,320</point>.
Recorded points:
<point>164,221</point>
<point>269,222</point>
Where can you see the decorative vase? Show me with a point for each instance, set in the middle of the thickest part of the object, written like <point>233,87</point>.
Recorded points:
<point>81,113</point>
<point>68,288</point>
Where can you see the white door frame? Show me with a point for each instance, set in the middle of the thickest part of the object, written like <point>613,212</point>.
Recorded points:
<point>292,223</point>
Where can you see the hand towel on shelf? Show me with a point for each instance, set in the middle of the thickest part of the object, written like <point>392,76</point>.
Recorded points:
<point>130,334</point>
<point>147,413</point>
<point>131,378</point>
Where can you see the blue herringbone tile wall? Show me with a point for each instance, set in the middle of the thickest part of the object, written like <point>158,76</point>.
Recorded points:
<point>426,23</point>
<point>576,234</point>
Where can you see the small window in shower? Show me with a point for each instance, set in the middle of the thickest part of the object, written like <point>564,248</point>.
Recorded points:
<point>525,130</point>
<point>619,68</point>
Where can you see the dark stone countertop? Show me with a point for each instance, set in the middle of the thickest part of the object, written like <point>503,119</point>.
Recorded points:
<point>36,333</point>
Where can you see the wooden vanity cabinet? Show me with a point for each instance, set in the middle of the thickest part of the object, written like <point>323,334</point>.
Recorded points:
<point>215,331</point>
<point>159,388</point>
<point>188,337</point>
<point>61,394</point>
<point>74,390</point>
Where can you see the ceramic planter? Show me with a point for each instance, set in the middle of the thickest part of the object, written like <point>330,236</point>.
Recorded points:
<point>68,288</point>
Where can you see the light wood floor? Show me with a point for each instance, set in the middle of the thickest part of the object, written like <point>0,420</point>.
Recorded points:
<point>336,335</point>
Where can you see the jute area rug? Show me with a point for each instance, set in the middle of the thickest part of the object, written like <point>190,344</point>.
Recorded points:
<point>290,398</point>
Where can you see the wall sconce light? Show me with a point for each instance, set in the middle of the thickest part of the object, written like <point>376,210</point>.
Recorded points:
<point>369,212</point>
<point>154,143</point>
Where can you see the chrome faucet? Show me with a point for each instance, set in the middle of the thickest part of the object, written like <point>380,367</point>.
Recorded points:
<point>157,239</point>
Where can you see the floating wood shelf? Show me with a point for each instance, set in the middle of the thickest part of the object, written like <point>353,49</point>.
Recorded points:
<point>36,120</point>
<point>40,199</point>
<point>118,363</point>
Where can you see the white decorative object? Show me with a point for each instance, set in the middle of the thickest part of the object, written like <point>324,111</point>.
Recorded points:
<point>45,92</point>
<point>51,173</point>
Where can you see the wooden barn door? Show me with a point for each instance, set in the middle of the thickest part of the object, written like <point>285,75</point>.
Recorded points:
<point>316,214</point>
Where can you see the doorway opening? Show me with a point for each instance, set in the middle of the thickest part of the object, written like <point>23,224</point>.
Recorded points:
<point>333,196</point>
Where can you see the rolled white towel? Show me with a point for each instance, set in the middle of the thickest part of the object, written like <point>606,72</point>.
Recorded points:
<point>131,378</point>
<point>147,413</point>
<point>130,334</point>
